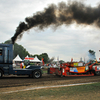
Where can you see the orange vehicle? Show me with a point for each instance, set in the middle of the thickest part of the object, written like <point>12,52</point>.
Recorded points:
<point>76,69</point>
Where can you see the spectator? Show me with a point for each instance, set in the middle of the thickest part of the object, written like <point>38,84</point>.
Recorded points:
<point>54,65</point>
<point>22,65</point>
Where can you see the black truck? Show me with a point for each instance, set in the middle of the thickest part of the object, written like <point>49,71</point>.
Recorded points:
<point>6,64</point>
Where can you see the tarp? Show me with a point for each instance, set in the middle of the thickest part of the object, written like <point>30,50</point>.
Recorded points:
<point>17,58</point>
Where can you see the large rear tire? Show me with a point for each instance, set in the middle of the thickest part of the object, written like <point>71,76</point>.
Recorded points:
<point>1,73</point>
<point>37,74</point>
<point>97,73</point>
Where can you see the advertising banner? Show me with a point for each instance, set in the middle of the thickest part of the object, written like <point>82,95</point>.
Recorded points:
<point>78,69</point>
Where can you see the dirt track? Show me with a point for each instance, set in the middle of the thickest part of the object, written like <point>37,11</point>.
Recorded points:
<point>14,81</point>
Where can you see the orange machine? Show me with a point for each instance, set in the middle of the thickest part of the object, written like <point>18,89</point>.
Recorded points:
<point>76,69</point>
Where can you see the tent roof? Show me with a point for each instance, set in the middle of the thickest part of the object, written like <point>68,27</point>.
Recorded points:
<point>35,60</point>
<point>17,58</point>
<point>27,56</point>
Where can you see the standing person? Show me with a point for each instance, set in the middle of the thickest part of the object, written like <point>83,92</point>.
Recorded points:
<point>54,65</point>
<point>22,65</point>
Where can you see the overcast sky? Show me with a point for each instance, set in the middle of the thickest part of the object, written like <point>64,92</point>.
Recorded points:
<point>66,42</point>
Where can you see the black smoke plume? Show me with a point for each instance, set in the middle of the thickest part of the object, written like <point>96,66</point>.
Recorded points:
<point>60,14</point>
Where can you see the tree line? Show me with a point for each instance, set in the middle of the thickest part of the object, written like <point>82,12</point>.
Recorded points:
<point>19,49</point>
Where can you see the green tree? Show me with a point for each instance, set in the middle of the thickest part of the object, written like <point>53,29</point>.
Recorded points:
<point>19,49</point>
<point>45,56</point>
<point>61,61</point>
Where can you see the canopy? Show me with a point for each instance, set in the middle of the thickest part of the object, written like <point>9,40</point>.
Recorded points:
<point>17,58</point>
<point>35,60</point>
<point>31,59</point>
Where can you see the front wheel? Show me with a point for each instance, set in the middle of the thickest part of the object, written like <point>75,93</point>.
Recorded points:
<point>37,74</point>
<point>1,74</point>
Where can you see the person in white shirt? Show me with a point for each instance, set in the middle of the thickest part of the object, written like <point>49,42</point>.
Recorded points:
<point>54,65</point>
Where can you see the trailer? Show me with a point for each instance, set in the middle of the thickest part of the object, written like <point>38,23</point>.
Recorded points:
<point>76,69</point>
<point>6,64</point>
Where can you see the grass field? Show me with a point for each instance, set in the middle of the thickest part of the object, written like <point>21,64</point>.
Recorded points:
<point>44,71</point>
<point>82,92</point>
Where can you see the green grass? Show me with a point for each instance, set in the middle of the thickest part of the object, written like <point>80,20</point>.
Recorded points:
<point>83,92</point>
<point>44,71</point>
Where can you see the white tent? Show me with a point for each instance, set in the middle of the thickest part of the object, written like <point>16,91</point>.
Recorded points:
<point>27,56</point>
<point>17,58</point>
<point>35,60</point>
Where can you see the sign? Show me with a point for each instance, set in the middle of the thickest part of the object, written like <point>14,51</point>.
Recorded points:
<point>29,58</point>
<point>77,69</point>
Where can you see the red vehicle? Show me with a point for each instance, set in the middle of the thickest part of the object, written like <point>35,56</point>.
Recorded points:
<point>76,69</point>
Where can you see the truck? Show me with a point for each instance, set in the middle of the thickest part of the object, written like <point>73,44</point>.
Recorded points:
<point>76,69</point>
<point>6,64</point>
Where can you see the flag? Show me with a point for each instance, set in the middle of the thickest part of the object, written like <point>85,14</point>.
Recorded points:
<point>71,59</point>
<point>43,61</point>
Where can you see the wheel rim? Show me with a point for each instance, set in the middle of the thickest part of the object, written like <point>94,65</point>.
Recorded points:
<point>98,73</point>
<point>37,74</point>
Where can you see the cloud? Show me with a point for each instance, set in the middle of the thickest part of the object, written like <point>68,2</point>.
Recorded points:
<point>66,41</point>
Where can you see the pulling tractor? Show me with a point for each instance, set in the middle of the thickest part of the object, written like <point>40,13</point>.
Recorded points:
<point>76,69</point>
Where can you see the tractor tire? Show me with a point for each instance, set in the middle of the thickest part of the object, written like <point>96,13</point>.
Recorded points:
<point>37,74</point>
<point>1,73</point>
<point>97,73</point>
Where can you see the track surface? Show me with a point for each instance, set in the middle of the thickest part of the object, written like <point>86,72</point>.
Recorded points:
<point>14,81</point>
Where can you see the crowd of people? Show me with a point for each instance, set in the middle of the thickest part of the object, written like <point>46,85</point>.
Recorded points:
<point>52,65</point>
